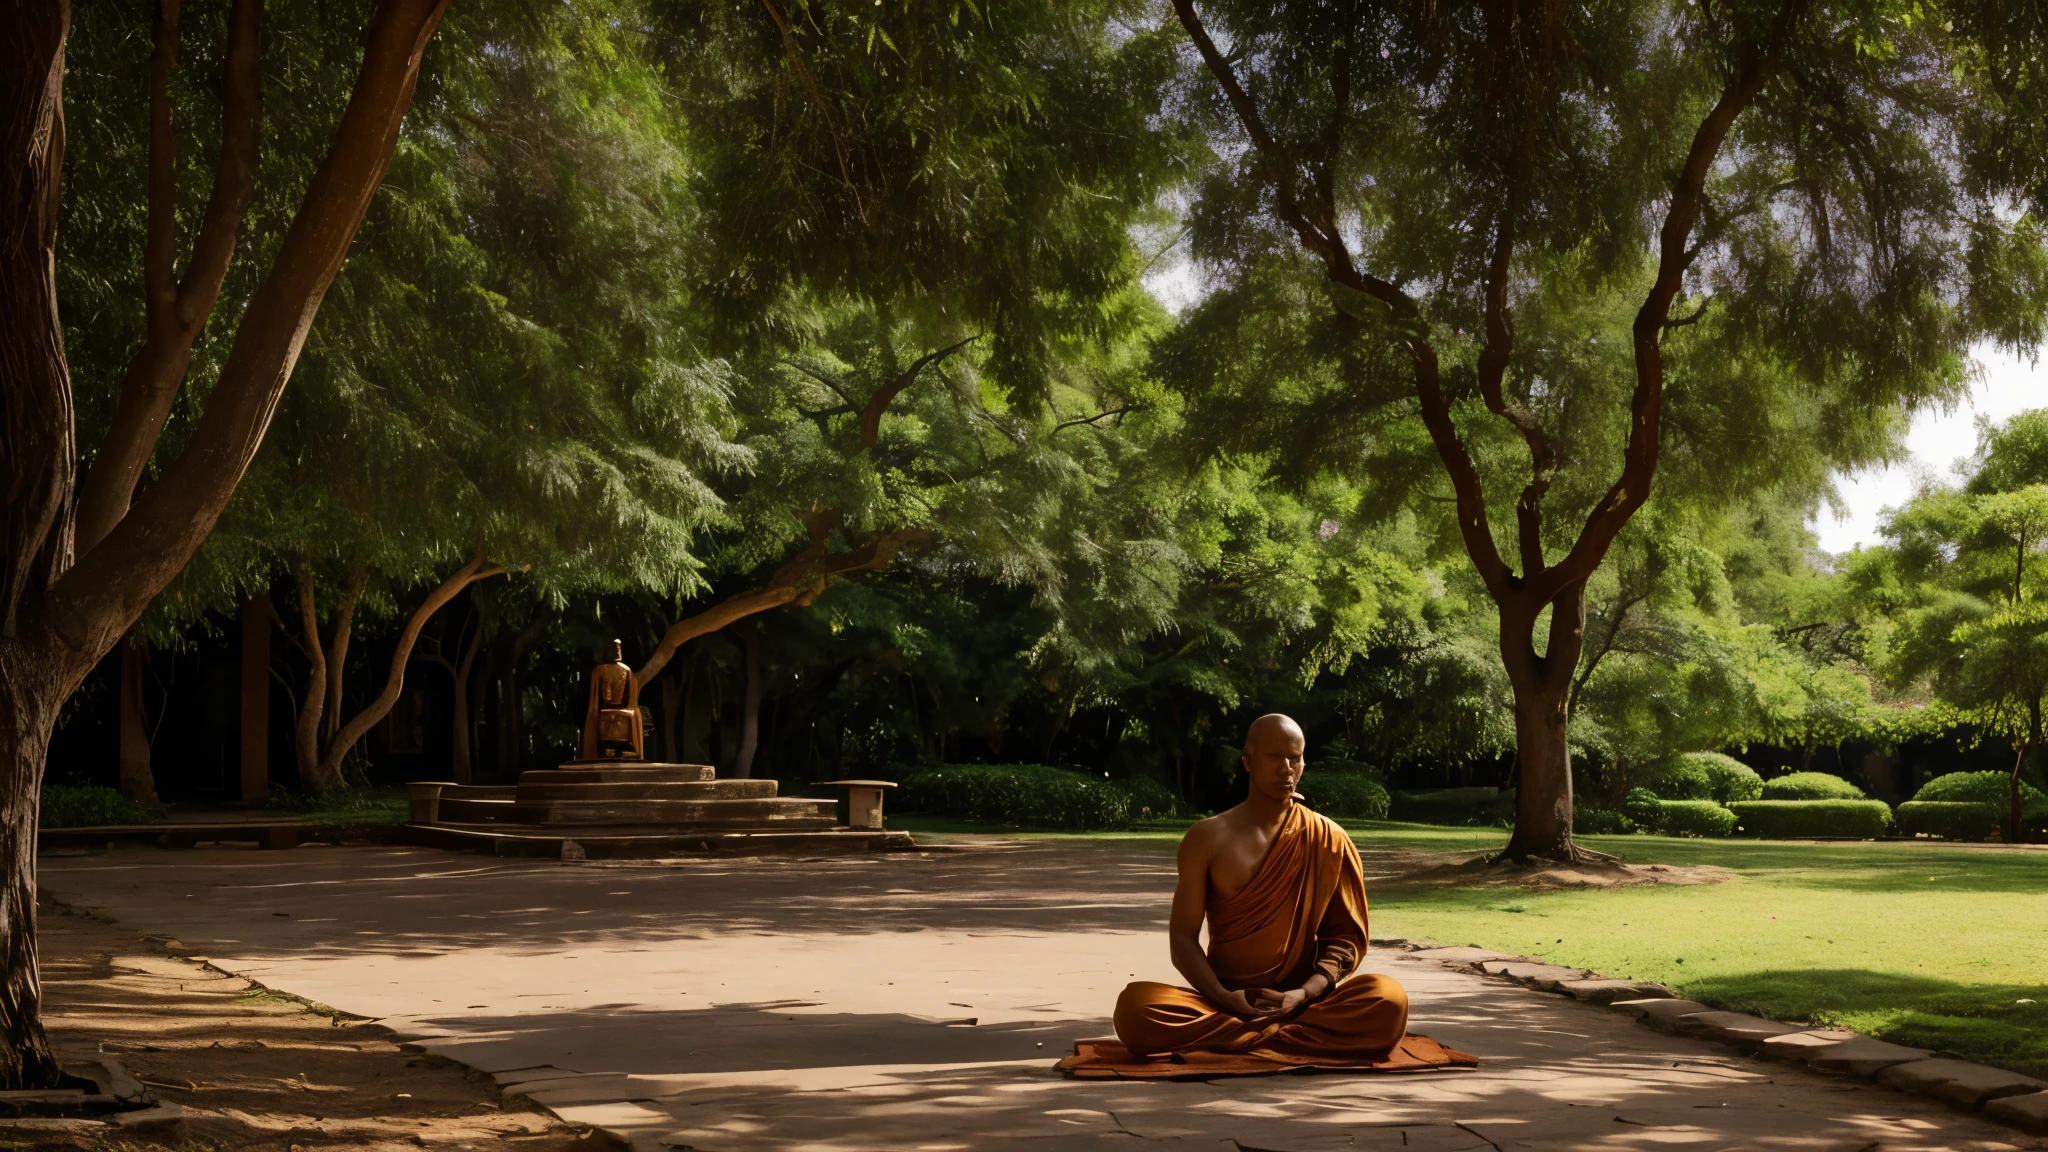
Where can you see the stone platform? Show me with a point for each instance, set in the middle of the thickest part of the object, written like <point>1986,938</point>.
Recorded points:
<point>633,809</point>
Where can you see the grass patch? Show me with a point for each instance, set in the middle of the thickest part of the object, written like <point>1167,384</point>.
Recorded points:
<point>1929,945</point>
<point>344,805</point>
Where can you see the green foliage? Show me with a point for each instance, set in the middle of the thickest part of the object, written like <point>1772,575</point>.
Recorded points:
<point>343,805</point>
<point>1989,788</point>
<point>1337,794</point>
<point>1592,820</point>
<point>1951,819</point>
<point>87,806</point>
<point>1455,806</point>
<point>1983,788</point>
<point>1643,807</point>
<point>1702,776</point>
<point>1810,786</point>
<point>1813,819</point>
<point>1693,818</point>
<point>1676,778</point>
<point>1150,800</point>
<point>1025,795</point>
<point>1327,766</point>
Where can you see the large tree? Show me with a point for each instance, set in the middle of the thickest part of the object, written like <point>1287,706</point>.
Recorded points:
<point>962,186</point>
<point>84,561</point>
<point>1553,220</point>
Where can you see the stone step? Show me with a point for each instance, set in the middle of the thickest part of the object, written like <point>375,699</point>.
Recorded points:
<point>618,772</point>
<point>478,792</point>
<point>645,790</point>
<point>762,812</point>
<point>777,811</point>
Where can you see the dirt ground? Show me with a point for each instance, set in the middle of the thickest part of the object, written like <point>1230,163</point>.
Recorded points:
<point>253,1069</point>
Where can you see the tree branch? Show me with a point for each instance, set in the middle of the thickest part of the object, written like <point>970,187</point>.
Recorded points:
<point>797,582</point>
<point>871,413</point>
<point>1473,524</point>
<point>394,681</point>
<point>176,313</point>
<point>1078,420</point>
<point>1688,193</point>
<point>93,604</point>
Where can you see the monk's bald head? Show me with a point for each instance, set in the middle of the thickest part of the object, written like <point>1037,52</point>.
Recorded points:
<point>1270,727</point>
<point>1273,757</point>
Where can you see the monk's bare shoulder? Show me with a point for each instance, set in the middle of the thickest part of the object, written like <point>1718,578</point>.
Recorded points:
<point>1203,836</point>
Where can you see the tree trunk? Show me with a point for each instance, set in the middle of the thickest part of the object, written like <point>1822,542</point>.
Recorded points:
<point>401,655</point>
<point>1543,797</point>
<point>1542,686</point>
<point>750,707</point>
<point>511,734</point>
<point>138,782</point>
<point>458,754</point>
<point>61,612</point>
<point>2015,817</point>
<point>26,721</point>
<point>38,466</point>
<point>671,705</point>
<point>306,732</point>
<point>255,741</point>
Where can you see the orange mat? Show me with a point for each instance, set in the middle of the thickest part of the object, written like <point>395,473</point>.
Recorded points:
<point>1106,1059</point>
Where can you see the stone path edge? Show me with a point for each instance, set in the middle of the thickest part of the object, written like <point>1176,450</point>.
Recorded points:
<point>2006,1097</point>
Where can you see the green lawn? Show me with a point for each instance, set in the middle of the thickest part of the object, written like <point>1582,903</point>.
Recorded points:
<point>1933,946</point>
<point>1942,947</point>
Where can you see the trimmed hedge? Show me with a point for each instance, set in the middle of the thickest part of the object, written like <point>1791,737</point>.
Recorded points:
<point>1335,794</point>
<point>1458,806</point>
<point>1678,817</point>
<point>1811,786</point>
<point>65,806</point>
<point>1592,820</point>
<point>1951,819</point>
<point>1702,776</point>
<point>1031,795</point>
<point>1989,788</point>
<point>1694,818</point>
<point>1813,819</point>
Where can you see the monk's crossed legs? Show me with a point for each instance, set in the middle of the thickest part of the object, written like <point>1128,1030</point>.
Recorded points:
<point>1361,1019</point>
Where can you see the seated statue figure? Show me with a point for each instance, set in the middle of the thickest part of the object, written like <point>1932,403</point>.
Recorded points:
<point>611,727</point>
<point>1284,897</point>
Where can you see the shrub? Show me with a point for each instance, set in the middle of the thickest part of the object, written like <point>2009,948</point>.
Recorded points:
<point>1951,819</point>
<point>1694,818</point>
<point>1596,821</point>
<point>1675,778</point>
<point>1728,779</point>
<point>1811,786</point>
<point>1335,794</point>
<point>1702,776</point>
<point>1150,799</point>
<point>1032,795</point>
<point>1989,788</point>
<point>1468,806</point>
<point>1642,807</point>
<point>66,806</point>
<point>1814,819</point>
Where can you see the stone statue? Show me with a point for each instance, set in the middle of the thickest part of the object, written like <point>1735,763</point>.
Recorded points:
<point>611,728</point>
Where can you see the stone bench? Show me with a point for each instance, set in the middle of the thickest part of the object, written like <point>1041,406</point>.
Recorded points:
<point>863,802</point>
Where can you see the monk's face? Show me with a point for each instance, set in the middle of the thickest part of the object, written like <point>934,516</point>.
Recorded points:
<point>1273,760</point>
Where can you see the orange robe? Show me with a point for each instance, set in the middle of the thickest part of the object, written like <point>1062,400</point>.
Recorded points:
<point>1303,913</point>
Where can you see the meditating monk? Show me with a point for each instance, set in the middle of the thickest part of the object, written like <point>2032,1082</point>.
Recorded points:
<point>1284,896</point>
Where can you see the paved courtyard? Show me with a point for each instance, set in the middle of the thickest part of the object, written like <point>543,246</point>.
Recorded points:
<point>917,1001</point>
